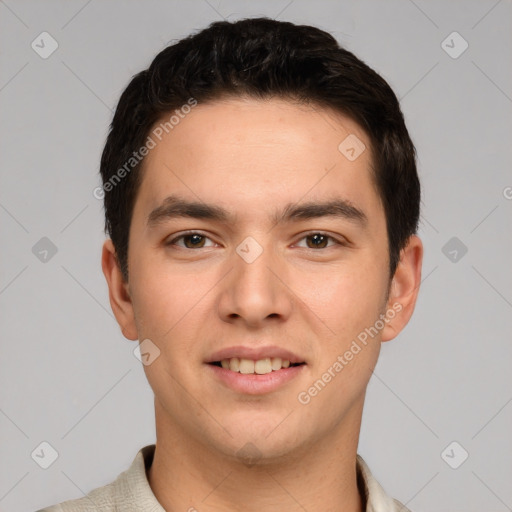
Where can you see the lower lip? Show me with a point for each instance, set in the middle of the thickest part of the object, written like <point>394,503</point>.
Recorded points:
<point>254,384</point>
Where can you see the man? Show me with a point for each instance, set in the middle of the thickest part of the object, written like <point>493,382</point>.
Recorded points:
<point>262,200</point>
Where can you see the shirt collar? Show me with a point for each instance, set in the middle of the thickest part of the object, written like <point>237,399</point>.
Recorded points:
<point>132,488</point>
<point>376,498</point>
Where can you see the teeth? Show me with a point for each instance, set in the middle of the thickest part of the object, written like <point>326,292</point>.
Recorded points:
<point>259,367</point>
<point>276,363</point>
<point>246,366</point>
<point>262,366</point>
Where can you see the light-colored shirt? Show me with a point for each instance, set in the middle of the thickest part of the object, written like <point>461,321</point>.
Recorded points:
<point>130,492</point>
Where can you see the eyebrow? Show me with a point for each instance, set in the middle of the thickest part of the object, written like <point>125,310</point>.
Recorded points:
<point>176,207</point>
<point>338,208</point>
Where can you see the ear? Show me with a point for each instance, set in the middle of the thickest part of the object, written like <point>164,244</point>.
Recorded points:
<point>118,291</point>
<point>404,289</point>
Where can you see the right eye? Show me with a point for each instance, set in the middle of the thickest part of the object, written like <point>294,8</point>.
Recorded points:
<point>191,240</point>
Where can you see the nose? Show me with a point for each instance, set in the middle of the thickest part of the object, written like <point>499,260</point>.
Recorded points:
<point>254,292</point>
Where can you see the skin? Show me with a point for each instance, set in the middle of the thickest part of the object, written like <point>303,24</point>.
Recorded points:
<point>253,157</point>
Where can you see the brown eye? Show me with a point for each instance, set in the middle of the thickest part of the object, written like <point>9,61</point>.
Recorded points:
<point>192,241</point>
<point>317,241</point>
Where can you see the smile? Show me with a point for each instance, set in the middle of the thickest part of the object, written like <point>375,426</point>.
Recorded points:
<point>259,367</point>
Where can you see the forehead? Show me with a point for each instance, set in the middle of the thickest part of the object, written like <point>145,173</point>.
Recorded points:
<point>250,155</point>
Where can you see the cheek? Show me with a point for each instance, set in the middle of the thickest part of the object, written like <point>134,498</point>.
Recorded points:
<point>346,354</point>
<point>169,308</point>
<point>169,304</point>
<point>347,298</point>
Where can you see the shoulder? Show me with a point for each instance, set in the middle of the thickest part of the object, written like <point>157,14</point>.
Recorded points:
<point>101,498</point>
<point>130,491</point>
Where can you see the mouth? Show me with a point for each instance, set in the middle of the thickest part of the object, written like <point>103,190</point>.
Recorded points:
<point>255,367</point>
<point>251,370</point>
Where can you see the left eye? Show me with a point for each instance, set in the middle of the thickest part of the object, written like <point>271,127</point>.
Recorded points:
<point>191,241</point>
<point>318,241</point>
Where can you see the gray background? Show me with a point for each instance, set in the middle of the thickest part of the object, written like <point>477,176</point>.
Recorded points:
<point>69,378</point>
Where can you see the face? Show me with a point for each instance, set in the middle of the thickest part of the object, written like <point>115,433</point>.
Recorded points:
<point>254,238</point>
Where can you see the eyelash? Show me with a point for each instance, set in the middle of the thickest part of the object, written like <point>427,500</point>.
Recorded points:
<point>321,233</point>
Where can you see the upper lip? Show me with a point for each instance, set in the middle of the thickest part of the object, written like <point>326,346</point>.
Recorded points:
<point>244,352</point>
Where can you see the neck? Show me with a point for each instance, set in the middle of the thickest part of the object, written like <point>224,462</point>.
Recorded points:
<point>187,475</point>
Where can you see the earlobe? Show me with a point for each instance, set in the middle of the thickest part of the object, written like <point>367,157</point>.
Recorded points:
<point>404,289</point>
<point>120,300</point>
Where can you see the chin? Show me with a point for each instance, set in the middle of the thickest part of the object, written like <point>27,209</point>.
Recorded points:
<point>261,440</point>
